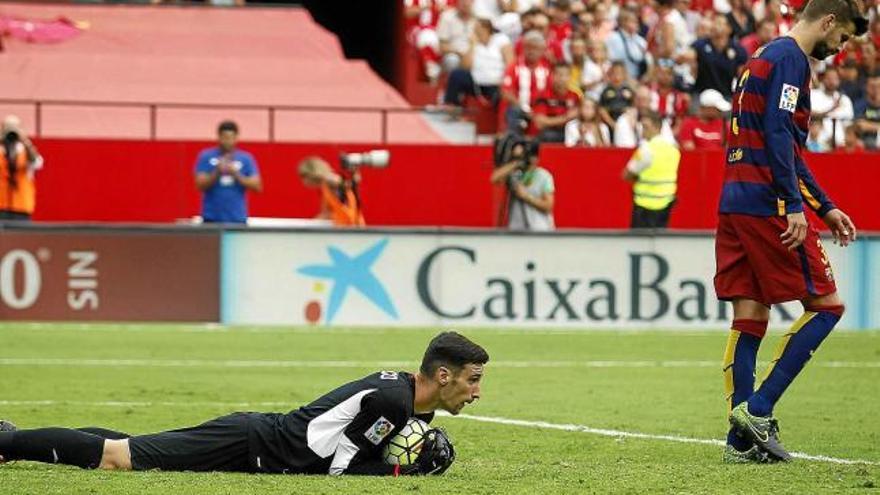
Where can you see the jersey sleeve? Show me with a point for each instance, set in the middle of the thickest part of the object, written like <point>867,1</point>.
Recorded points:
<point>783,91</point>
<point>203,164</point>
<point>250,166</point>
<point>360,448</point>
<point>812,193</point>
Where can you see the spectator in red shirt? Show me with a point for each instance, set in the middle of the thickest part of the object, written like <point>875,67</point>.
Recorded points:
<point>524,81</point>
<point>539,21</point>
<point>706,130</point>
<point>672,104</point>
<point>421,23</point>
<point>556,106</point>
<point>766,32</point>
<point>560,22</point>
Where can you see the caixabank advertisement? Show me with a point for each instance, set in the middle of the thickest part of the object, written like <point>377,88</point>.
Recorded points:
<point>491,279</point>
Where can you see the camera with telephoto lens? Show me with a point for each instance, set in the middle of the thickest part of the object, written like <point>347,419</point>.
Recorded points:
<point>373,158</point>
<point>514,147</point>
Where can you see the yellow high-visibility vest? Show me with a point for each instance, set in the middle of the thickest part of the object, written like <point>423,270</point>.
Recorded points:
<point>656,186</point>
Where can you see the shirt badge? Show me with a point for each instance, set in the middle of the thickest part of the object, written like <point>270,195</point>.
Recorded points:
<point>380,429</point>
<point>788,98</point>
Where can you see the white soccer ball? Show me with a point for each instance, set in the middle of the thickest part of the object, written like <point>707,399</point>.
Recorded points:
<point>404,448</point>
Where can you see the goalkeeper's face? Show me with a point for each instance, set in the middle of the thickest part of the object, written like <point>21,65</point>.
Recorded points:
<point>459,388</point>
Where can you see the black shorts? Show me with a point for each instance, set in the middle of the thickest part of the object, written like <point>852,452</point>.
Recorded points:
<point>217,445</point>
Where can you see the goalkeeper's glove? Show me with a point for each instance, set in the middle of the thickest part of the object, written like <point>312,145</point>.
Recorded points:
<point>436,455</point>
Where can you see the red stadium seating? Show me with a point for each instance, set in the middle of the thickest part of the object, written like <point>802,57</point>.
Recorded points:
<point>194,55</point>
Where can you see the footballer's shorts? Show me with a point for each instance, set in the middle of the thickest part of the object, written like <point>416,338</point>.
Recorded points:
<point>217,445</point>
<point>752,263</point>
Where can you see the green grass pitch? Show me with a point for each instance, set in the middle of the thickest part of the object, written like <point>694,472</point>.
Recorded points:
<point>145,378</point>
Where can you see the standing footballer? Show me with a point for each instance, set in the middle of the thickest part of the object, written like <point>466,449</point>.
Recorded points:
<point>342,432</point>
<point>766,251</point>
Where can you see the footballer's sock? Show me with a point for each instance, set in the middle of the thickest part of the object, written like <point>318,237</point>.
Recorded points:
<point>739,368</point>
<point>54,446</point>
<point>105,433</point>
<point>795,349</point>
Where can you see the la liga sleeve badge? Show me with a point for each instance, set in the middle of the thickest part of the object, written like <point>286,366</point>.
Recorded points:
<point>789,97</point>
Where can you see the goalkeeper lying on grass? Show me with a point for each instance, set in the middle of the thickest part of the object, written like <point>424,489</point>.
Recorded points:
<point>342,432</point>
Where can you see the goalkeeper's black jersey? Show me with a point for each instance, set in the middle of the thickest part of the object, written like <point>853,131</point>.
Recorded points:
<point>342,432</point>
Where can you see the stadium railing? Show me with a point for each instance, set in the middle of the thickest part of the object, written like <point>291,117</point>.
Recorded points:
<point>154,108</point>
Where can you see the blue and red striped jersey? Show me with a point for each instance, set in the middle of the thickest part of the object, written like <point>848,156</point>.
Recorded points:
<point>765,173</point>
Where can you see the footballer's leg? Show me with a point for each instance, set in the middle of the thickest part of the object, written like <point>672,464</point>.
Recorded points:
<point>740,355</point>
<point>53,446</point>
<point>736,280</point>
<point>751,434</point>
<point>104,433</point>
<point>821,314</point>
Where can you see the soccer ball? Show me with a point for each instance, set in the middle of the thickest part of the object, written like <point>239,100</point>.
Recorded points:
<point>404,448</point>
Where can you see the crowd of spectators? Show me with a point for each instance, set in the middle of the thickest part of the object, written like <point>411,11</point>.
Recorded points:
<point>581,72</point>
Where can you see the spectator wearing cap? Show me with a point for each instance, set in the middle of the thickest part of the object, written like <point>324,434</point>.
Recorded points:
<point>868,120</point>
<point>524,80</point>
<point>224,174</point>
<point>832,107</point>
<point>627,46</point>
<point>483,66</point>
<point>718,59</point>
<point>556,107</point>
<point>454,30</point>
<point>706,130</point>
<point>765,32</point>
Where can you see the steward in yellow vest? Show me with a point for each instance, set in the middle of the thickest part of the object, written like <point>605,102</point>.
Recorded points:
<point>653,170</point>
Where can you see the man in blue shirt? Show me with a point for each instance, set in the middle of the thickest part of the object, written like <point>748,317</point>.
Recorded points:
<point>224,174</point>
<point>719,59</point>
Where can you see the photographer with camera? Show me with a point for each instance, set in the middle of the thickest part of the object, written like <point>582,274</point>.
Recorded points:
<point>530,187</point>
<point>340,199</point>
<point>19,160</point>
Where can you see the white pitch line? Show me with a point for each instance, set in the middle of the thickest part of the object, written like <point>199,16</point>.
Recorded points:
<point>209,363</point>
<point>484,419</point>
<point>642,436</point>
<point>118,403</point>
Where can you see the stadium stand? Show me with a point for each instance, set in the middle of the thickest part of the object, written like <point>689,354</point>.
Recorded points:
<point>136,54</point>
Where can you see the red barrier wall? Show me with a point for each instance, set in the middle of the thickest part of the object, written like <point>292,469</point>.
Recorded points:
<point>139,181</point>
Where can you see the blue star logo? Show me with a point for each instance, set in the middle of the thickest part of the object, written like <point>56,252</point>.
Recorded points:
<point>346,271</point>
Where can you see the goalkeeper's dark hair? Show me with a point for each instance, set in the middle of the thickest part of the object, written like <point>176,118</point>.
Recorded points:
<point>452,350</point>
